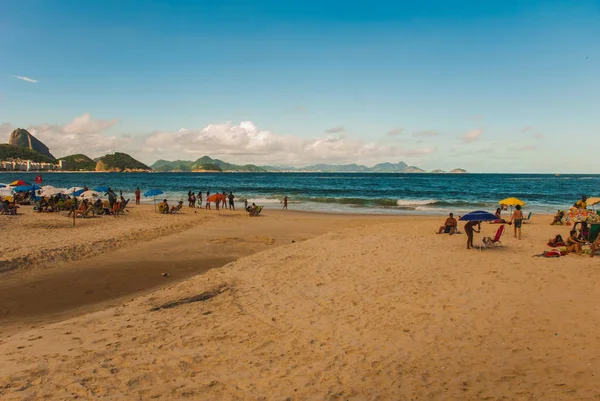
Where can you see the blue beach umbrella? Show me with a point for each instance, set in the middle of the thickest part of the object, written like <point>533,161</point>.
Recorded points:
<point>153,193</point>
<point>2,185</point>
<point>478,215</point>
<point>78,192</point>
<point>25,188</point>
<point>101,189</point>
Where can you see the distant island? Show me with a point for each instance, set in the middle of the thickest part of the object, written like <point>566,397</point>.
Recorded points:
<point>24,152</point>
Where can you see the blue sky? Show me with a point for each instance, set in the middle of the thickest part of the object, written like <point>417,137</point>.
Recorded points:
<point>488,86</point>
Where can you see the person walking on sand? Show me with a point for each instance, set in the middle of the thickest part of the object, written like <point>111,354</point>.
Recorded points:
<point>517,217</point>
<point>285,200</point>
<point>137,195</point>
<point>469,229</point>
<point>230,197</point>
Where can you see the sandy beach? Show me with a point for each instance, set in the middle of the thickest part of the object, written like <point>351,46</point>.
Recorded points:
<point>293,306</point>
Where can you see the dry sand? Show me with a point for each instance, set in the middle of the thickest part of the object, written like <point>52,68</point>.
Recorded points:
<point>373,308</point>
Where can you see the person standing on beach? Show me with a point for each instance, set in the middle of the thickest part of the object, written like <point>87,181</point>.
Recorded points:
<point>285,199</point>
<point>230,197</point>
<point>200,198</point>
<point>218,202</point>
<point>246,204</point>
<point>517,217</point>
<point>137,195</point>
<point>469,229</point>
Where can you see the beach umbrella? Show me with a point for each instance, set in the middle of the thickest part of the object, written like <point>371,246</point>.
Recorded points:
<point>17,183</point>
<point>2,185</point>
<point>213,198</point>
<point>153,193</point>
<point>580,215</point>
<point>592,201</point>
<point>25,188</point>
<point>512,202</point>
<point>478,215</point>
<point>78,192</point>
<point>101,189</point>
<point>73,189</point>
<point>48,190</point>
<point>89,195</point>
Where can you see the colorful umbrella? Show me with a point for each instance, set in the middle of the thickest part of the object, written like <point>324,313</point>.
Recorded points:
<point>101,189</point>
<point>49,190</point>
<point>213,198</point>
<point>78,192</point>
<point>17,183</point>
<point>579,215</point>
<point>478,215</point>
<point>512,202</point>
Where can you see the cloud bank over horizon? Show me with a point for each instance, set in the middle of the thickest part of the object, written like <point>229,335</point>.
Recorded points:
<point>242,143</point>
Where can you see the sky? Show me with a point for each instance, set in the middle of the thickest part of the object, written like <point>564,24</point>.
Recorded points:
<point>489,86</point>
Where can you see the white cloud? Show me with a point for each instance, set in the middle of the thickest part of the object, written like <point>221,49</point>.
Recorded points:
<point>538,136</point>
<point>395,131</point>
<point>85,124</point>
<point>82,135</point>
<point>425,134</point>
<point>243,143</point>
<point>471,136</point>
<point>246,143</point>
<point>335,130</point>
<point>26,79</point>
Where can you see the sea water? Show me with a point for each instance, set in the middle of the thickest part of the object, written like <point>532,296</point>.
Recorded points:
<point>347,192</point>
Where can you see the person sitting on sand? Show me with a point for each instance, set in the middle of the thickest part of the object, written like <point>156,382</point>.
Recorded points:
<point>594,246</point>
<point>83,209</point>
<point>252,210</point>
<point>163,207</point>
<point>556,242</point>
<point>517,218</point>
<point>449,226</point>
<point>558,218</point>
<point>574,243</point>
<point>469,229</point>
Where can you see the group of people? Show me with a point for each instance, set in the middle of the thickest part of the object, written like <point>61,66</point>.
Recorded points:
<point>451,225</point>
<point>164,208</point>
<point>222,200</point>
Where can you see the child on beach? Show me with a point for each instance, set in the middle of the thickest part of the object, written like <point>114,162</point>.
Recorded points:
<point>285,200</point>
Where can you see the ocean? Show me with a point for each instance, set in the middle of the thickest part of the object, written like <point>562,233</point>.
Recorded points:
<point>348,192</point>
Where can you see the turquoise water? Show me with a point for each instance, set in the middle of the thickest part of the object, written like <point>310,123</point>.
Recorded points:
<point>349,192</point>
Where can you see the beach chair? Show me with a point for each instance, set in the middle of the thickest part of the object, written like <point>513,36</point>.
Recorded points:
<point>177,209</point>
<point>527,219</point>
<point>489,242</point>
<point>123,206</point>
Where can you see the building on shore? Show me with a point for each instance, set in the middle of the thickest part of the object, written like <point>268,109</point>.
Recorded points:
<point>28,165</point>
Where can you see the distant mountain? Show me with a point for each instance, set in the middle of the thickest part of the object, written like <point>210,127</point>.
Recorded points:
<point>14,152</point>
<point>21,137</point>
<point>458,171</point>
<point>186,165</point>
<point>437,171</point>
<point>78,162</point>
<point>118,162</point>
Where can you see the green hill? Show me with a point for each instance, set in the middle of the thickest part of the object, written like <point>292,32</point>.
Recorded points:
<point>78,162</point>
<point>186,165</point>
<point>13,152</point>
<point>207,167</point>
<point>117,162</point>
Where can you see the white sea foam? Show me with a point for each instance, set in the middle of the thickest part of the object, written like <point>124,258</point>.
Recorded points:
<point>415,202</point>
